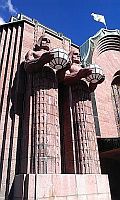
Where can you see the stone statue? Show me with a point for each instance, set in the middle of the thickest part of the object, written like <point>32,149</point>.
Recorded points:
<point>76,72</point>
<point>40,132</point>
<point>76,114</point>
<point>34,60</point>
<point>39,56</point>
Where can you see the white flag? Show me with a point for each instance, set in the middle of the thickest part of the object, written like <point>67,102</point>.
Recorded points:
<point>99,18</point>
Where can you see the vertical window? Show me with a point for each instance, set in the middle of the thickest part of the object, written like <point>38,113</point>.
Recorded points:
<point>116,98</point>
<point>95,114</point>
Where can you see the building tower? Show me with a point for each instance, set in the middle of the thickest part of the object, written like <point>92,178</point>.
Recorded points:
<point>104,49</point>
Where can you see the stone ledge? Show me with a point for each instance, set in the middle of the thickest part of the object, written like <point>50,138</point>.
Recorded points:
<point>61,187</point>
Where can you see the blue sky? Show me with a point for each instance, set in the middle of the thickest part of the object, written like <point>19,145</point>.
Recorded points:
<point>72,18</point>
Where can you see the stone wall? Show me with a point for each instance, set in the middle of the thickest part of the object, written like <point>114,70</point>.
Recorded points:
<point>61,187</point>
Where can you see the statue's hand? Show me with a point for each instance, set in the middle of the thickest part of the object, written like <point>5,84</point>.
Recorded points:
<point>46,57</point>
<point>83,73</point>
<point>68,65</point>
<point>101,80</point>
<point>92,86</point>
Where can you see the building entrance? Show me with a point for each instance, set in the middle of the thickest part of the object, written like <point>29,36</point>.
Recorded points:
<point>110,164</point>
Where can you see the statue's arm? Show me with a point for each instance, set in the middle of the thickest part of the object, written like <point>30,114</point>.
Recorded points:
<point>72,77</point>
<point>36,59</point>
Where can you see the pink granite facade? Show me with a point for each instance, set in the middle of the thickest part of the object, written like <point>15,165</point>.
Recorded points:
<point>48,143</point>
<point>110,63</point>
<point>61,187</point>
<point>104,50</point>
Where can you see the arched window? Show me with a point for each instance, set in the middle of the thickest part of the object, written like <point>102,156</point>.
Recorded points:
<point>116,98</point>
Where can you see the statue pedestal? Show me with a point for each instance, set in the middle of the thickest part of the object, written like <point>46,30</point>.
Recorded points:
<point>61,187</point>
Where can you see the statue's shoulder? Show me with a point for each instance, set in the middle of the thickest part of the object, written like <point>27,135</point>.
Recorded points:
<point>30,52</point>
<point>29,55</point>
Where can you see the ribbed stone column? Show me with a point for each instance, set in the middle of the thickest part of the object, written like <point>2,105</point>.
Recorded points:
<point>84,136</point>
<point>43,132</point>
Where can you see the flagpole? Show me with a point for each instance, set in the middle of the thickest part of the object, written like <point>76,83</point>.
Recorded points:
<point>106,26</point>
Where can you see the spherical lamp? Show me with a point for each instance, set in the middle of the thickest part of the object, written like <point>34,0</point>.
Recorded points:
<point>96,75</point>
<point>60,59</point>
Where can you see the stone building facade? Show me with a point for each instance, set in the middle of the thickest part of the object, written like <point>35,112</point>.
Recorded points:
<point>57,141</point>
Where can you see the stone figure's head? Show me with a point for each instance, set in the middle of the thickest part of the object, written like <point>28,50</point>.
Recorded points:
<point>43,43</point>
<point>74,57</point>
